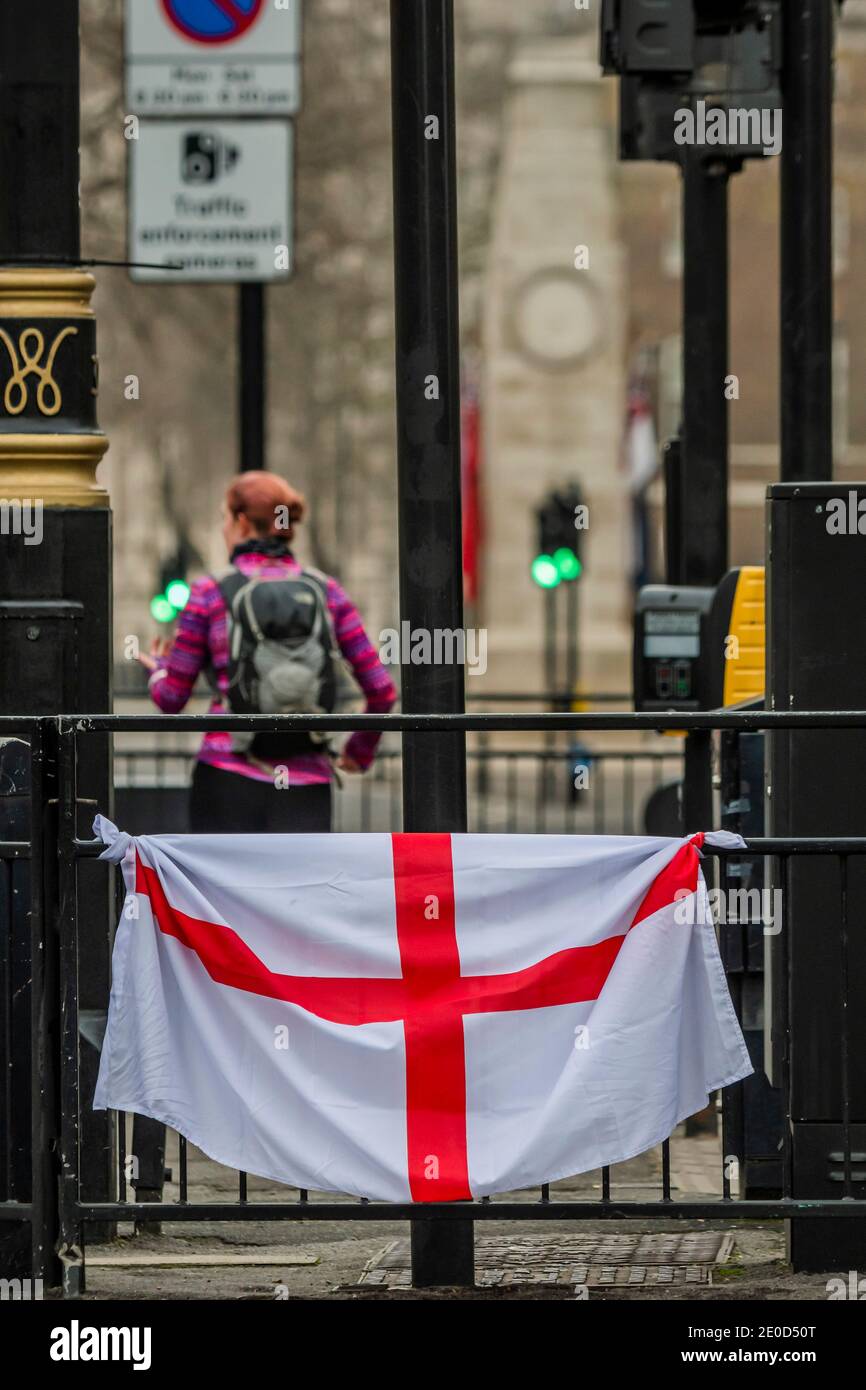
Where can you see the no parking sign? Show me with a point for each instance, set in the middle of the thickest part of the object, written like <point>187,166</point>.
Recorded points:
<point>213,57</point>
<point>212,21</point>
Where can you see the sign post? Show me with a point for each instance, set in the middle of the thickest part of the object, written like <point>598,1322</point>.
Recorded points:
<point>252,393</point>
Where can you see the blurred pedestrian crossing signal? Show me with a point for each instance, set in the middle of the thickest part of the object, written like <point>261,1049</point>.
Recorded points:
<point>162,610</point>
<point>545,572</point>
<point>166,606</point>
<point>177,593</point>
<point>567,563</point>
<point>558,558</point>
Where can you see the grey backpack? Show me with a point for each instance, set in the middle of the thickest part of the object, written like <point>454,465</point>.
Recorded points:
<point>283,655</point>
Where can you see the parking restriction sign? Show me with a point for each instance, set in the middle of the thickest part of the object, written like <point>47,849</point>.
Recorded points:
<point>213,57</point>
<point>212,21</point>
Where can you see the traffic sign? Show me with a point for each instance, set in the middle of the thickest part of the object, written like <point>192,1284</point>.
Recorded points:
<point>213,57</point>
<point>212,21</point>
<point>214,197</point>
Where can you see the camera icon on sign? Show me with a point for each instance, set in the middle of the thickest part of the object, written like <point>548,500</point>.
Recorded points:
<point>206,157</point>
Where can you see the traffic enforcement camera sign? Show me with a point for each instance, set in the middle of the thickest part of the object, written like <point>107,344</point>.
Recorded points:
<point>213,197</point>
<point>213,57</point>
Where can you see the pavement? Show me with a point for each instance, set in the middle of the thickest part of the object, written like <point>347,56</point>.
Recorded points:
<point>606,1260</point>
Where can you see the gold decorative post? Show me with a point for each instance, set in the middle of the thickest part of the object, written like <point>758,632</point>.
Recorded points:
<point>55,603</point>
<point>50,444</point>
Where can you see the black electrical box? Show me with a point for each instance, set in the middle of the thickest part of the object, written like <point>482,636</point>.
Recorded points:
<point>815,777</point>
<point>671,643</point>
<point>698,648</point>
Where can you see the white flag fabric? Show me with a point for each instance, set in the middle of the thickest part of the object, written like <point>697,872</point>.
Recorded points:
<point>416,1017</point>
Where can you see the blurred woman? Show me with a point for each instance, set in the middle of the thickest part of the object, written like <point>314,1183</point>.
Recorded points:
<point>280,782</point>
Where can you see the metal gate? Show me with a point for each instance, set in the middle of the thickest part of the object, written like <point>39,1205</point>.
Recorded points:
<point>57,847</point>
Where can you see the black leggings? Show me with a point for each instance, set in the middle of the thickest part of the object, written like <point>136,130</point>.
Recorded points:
<point>224,803</point>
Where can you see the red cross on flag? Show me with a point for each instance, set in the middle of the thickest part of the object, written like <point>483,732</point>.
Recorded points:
<point>418,1018</point>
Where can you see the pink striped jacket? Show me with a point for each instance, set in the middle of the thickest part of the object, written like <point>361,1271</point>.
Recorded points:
<point>201,641</point>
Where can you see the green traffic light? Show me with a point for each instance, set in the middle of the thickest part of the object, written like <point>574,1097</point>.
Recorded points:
<point>567,564</point>
<point>162,610</point>
<point>177,593</point>
<point>545,572</point>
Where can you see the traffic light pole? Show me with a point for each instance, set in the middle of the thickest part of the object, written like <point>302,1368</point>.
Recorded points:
<point>55,565</point>
<point>807,243</point>
<point>551,664</point>
<point>704,466</point>
<point>428,463</point>
<point>572,611</point>
<point>705,365</point>
<point>252,376</point>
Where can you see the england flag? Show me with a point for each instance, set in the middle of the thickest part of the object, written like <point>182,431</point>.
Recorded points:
<point>419,1018</point>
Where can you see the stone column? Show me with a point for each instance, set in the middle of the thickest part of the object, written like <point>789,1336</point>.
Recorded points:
<point>555,360</point>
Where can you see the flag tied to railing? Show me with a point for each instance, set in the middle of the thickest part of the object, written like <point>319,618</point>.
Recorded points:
<point>418,1018</point>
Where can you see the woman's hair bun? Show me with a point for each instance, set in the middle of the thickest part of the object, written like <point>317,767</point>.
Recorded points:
<point>268,502</point>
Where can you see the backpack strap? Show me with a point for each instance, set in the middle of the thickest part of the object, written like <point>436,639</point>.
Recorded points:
<point>320,580</point>
<point>230,581</point>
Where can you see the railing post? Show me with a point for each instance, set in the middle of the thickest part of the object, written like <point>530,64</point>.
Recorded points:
<point>44,1004</point>
<point>16,1012</point>
<point>428,460</point>
<point>70,1246</point>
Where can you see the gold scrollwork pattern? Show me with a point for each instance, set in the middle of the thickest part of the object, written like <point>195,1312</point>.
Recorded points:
<point>31,347</point>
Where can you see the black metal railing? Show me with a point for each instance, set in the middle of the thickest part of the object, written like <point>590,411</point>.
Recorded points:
<point>56,847</point>
<point>564,790</point>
